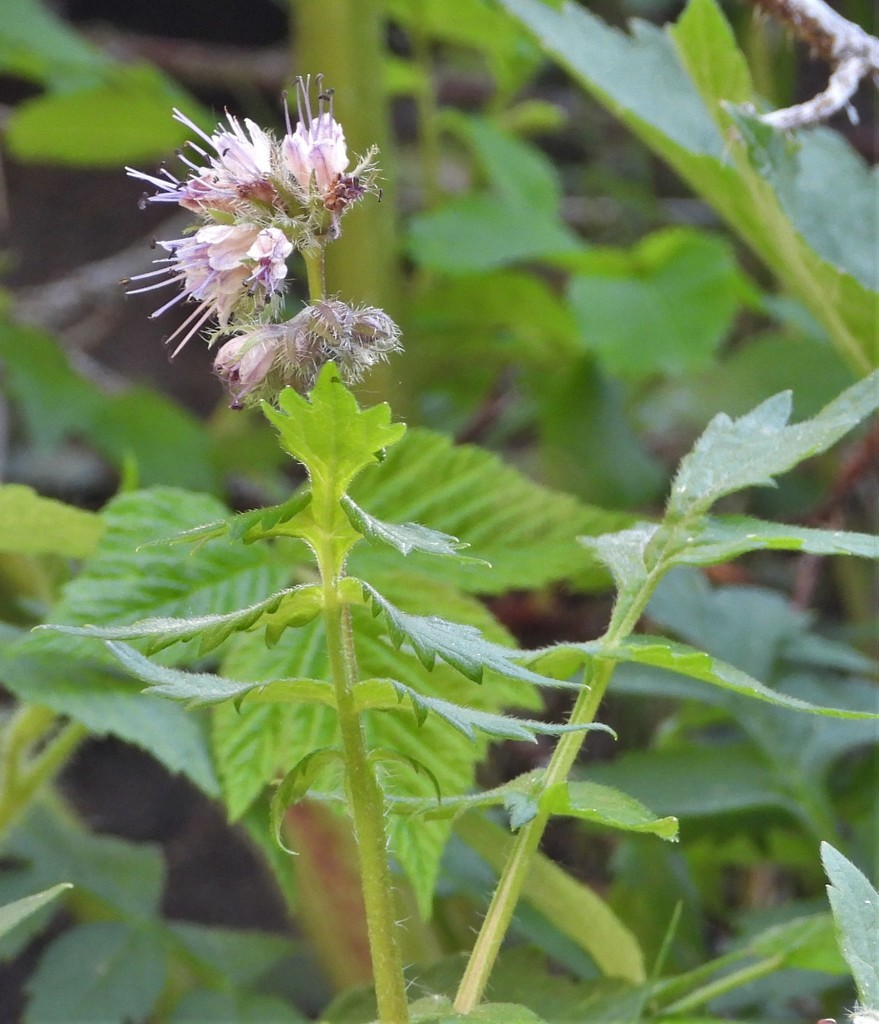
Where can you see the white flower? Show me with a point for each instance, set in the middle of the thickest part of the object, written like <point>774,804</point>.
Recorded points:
<point>226,269</point>
<point>315,151</point>
<point>239,169</point>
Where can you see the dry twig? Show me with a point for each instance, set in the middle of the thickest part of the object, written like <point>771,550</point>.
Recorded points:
<point>852,53</point>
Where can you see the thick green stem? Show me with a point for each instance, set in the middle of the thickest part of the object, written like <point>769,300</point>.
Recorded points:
<point>364,794</point>
<point>367,810</point>
<point>315,269</point>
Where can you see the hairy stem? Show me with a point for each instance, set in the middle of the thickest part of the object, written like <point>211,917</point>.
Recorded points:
<point>367,810</point>
<point>512,880</point>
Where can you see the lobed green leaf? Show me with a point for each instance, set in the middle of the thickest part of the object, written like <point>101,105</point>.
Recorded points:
<point>405,537</point>
<point>330,434</point>
<point>459,645</point>
<point>293,607</point>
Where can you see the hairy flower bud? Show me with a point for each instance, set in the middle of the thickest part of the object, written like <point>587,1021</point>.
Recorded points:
<point>259,363</point>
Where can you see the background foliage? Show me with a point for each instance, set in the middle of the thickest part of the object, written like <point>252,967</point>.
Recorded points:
<point>593,248</point>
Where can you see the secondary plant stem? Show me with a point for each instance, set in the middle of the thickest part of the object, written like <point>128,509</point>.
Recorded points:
<point>512,880</point>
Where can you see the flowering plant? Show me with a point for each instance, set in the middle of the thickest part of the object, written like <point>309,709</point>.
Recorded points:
<point>260,200</point>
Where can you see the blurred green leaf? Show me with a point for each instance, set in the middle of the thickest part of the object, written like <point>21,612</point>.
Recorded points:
<point>106,703</point>
<point>855,905</point>
<point>102,973</point>
<point>241,956</point>
<point>167,443</point>
<point>476,25</point>
<point>515,219</point>
<point>484,232</point>
<point>571,906</point>
<point>13,913</point>
<point>644,77</point>
<point>124,119</point>
<point>232,1007</point>
<point>126,878</point>
<point>695,782</point>
<point>662,308</point>
<point>37,45</point>
<point>36,525</point>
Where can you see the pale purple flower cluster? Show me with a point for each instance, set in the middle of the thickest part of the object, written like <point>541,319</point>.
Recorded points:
<point>258,200</point>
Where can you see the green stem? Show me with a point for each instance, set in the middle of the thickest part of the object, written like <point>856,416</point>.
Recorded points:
<point>23,774</point>
<point>512,880</point>
<point>315,269</point>
<point>723,985</point>
<point>367,810</point>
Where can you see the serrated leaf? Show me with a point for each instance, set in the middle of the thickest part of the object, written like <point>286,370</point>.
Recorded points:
<point>855,906</point>
<point>406,537</point>
<point>459,645</point>
<point>248,526</point>
<point>719,538</point>
<point>206,688</point>
<point>298,781</point>
<point>330,434</point>
<point>108,704</point>
<point>525,531</point>
<point>676,657</point>
<point>606,806</point>
<point>385,694</point>
<point>734,454</point>
<point>35,525</point>
<point>292,607</point>
<point>258,744</point>
<point>97,973</point>
<point>13,913</point>
<point>129,579</point>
